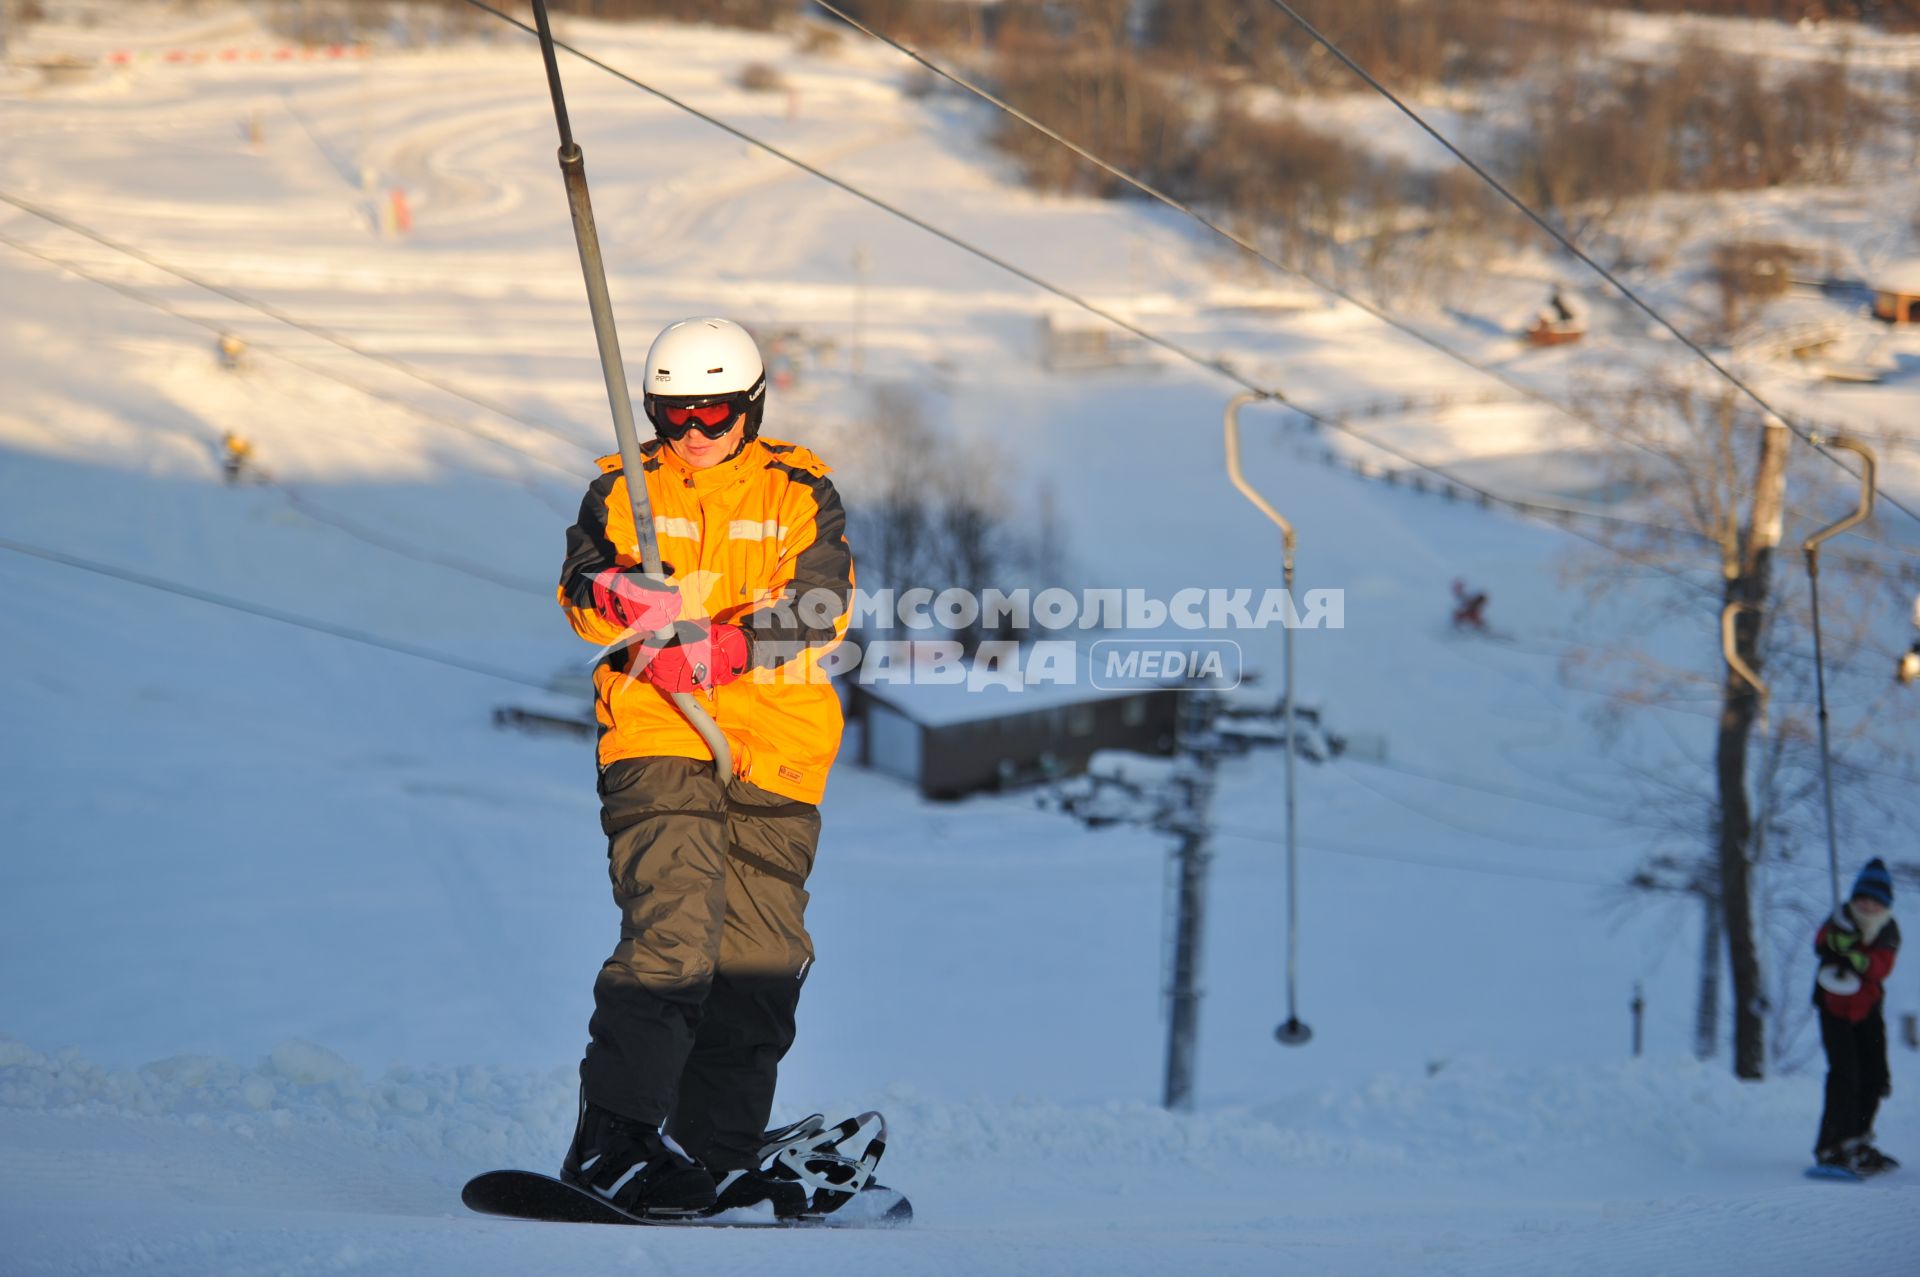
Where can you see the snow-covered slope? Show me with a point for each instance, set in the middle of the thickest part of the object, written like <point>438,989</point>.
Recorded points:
<point>302,1164</point>
<point>228,839</point>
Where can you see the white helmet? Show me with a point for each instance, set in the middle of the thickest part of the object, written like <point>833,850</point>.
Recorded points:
<point>704,361</point>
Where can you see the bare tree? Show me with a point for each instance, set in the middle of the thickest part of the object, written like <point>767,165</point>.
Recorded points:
<point>1409,44</point>
<point>927,514</point>
<point>1749,274</point>
<point>1105,100</point>
<point>1746,540</point>
<point>1739,817</point>
<point>893,514</point>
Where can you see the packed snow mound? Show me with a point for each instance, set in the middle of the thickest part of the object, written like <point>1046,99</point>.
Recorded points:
<point>477,1113</point>
<point>303,1163</point>
<point>1462,1113</point>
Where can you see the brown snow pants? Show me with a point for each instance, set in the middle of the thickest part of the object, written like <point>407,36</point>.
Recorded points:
<point>695,1008</point>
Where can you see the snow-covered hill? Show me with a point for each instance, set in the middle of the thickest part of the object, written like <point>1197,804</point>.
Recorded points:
<point>229,839</point>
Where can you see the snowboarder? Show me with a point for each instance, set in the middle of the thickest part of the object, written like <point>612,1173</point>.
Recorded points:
<point>695,1008</point>
<point>1856,949</point>
<point>236,456</point>
<point>1561,320</point>
<point>1469,608</point>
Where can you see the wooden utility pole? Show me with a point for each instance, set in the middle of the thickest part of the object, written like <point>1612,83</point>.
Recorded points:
<point>1747,561</point>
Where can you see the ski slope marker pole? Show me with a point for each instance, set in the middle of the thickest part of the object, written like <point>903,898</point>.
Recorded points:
<point>1863,512</point>
<point>573,169</point>
<point>1294,1032</point>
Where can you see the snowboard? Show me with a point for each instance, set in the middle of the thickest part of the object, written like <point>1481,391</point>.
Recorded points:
<point>1817,1171</point>
<point>834,1163</point>
<point>531,1195</point>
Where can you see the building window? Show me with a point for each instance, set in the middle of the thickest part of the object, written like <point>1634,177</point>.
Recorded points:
<point>1133,711</point>
<point>1080,720</point>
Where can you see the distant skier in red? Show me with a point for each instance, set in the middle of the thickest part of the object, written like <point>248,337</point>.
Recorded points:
<point>1469,608</point>
<point>1856,949</point>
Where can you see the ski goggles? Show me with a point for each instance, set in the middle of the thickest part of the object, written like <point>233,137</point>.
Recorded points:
<point>673,419</point>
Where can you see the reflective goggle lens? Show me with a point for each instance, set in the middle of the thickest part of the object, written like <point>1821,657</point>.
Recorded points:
<point>712,414</point>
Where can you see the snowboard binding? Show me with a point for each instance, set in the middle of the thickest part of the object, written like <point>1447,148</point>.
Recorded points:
<point>833,1163</point>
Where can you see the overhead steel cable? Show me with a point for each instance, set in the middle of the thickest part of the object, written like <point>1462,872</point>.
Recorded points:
<point>1498,790</point>
<point>1538,509</point>
<point>1240,241</point>
<point>1527,840</point>
<point>219,329</point>
<point>293,321</point>
<point>1219,367</point>
<point>292,495</point>
<point>1187,209</point>
<point>1813,440</point>
<point>265,612</point>
<point>1253,834</point>
<point>299,502</point>
<point>894,210</point>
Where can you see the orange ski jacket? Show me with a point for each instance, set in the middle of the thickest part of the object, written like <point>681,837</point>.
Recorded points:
<point>759,541</point>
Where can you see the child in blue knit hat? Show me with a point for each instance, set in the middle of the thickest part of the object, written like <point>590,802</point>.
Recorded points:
<point>1856,949</point>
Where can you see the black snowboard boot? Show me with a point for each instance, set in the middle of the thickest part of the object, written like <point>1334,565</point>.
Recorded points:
<point>1868,1160</point>
<point>635,1167</point>
<point>1838,1158</point>
<point>752,1187</point>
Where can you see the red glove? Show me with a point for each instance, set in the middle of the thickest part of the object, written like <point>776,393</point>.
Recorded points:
<point>633,600</point>
<point>700,654</point>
